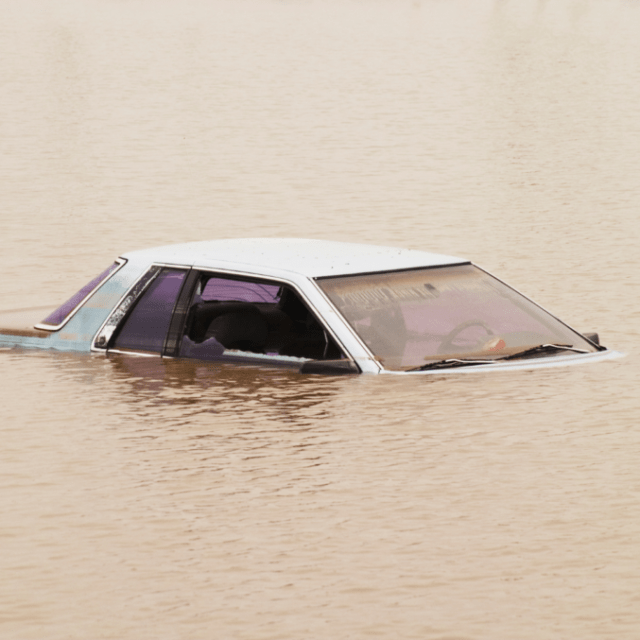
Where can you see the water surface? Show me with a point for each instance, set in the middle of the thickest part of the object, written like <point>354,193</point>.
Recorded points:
<point>146,499</point>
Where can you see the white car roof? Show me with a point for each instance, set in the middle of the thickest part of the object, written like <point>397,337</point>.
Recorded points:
<point>310,258</point>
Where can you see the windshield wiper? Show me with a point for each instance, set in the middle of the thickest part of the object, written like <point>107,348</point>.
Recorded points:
<point>450,363</point>
<point>543,348</point>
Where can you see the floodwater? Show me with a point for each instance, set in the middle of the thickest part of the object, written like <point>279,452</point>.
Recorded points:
<point>163,500</point>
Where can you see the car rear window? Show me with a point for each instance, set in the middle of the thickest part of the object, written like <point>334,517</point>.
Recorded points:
<point>63,312</point>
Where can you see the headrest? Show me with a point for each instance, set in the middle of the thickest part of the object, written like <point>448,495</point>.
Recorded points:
<point>242,329</point>
<point>203,313</point>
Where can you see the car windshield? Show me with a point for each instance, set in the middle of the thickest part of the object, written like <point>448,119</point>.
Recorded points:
<point>410,318</point>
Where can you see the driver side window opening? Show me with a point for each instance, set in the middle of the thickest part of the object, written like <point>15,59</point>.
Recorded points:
<point>229,314</point>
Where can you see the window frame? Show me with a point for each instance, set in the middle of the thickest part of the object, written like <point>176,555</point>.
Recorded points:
<point>105,336</point>
<point>50,327</point>
<point>246,356</point>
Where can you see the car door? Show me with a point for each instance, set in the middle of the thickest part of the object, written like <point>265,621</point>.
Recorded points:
<point>213,315</point>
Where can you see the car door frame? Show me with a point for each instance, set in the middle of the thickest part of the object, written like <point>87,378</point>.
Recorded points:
<point>104,337</point>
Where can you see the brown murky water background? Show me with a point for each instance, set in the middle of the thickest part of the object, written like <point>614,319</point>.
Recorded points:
<point>146,500</point>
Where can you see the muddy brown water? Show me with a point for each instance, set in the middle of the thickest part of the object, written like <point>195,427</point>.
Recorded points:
<point>146,499</point>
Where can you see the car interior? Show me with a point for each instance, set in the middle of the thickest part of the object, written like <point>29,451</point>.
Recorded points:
<point>254,316</point>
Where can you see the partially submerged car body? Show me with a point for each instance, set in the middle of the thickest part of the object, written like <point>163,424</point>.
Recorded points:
<point>318,306</point>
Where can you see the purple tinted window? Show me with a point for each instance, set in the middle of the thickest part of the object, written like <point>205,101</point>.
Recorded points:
<point>146,327</point>
<point>225,289</point>
<point>62,312</point>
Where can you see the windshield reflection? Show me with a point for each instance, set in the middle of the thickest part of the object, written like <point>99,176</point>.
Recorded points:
<point>407,318</point>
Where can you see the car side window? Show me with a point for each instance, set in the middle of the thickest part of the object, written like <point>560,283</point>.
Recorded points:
<point>146,326</point>
<point>230,315</point>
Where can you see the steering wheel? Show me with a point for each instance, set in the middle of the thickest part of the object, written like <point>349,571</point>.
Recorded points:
<point>447,343</point>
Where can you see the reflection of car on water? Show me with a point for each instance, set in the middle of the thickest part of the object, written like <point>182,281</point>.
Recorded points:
<point>318,306</point>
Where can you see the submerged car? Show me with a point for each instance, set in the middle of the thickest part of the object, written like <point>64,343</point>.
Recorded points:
<point>313,305</point>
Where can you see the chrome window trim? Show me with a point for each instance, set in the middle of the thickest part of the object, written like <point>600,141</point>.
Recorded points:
<point>50,327</point>
<point>296,288</point>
